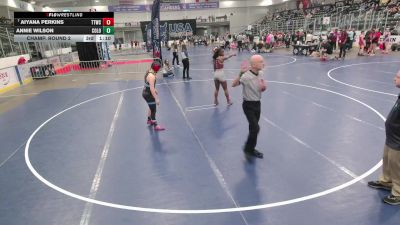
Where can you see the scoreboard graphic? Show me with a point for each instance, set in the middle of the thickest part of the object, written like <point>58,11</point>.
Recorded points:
<point>64,26</point>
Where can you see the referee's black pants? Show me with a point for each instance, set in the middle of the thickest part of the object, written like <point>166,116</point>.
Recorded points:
<point>252,110</point>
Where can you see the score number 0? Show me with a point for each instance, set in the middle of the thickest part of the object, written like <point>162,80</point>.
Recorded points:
<point>108,21</point>
<point>108,25</point>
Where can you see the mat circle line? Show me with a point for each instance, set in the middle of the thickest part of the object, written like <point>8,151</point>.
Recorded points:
<point>199,211</point>
<point>354,86</point>
<point>274,66</point>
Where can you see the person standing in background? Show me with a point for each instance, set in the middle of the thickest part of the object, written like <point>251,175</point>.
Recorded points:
<point>175,53</point>
<point>361,43</point>
<point>185,62</point>
<point>240,39</point>
<point>342,43</point>
<point>386,42</point>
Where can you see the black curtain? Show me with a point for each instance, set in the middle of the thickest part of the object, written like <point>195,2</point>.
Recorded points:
<point>87,51</point>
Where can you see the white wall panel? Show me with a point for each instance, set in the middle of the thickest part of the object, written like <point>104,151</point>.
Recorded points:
<point>240,13</point>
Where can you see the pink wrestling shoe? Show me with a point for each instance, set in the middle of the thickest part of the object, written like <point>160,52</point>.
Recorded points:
<point>159,128</point>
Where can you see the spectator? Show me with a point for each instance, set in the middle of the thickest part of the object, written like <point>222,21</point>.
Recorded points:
<point>342,43</point>
<point>361,43</point>
<point>325,50</point>
<point>175,53</point>
<point>167,70</point>
<point>185,62</point>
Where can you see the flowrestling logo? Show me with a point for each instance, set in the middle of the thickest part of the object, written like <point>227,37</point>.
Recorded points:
<point>4,78</point>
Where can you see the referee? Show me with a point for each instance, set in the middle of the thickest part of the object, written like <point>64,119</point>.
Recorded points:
<point>253,85</point>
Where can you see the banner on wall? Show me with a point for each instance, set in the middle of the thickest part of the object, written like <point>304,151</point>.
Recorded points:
<point>126,2</point>
<point>392,39</point>
<point>148,34</point>
<point>155,30</point>
<point>171,29</point>
<point>55,61</point>
<point>170,1</point>
<point>8,79</point>
<point>24,69</point>
<point>164,7</point>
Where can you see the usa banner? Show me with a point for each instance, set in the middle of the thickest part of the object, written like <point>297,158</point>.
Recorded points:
<point>155,29</point>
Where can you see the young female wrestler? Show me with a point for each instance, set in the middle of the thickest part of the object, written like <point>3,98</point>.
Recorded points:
<point>150,95</point>
<point>219,76</point>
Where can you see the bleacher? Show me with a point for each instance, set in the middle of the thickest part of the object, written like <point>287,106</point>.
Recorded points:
<point>360,15</point>
<point>7,45</point>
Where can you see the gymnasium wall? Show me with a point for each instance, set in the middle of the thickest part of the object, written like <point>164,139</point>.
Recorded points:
<point>240,13</point>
